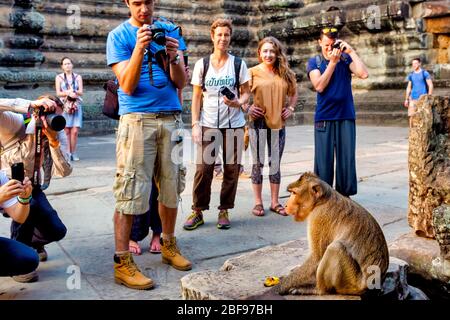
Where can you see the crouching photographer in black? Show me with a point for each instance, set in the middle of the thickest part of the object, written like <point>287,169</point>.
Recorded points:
<point>21,142</point>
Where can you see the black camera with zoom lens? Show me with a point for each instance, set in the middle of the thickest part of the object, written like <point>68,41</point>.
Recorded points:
<point>55,121</point>
<point>158,35</point>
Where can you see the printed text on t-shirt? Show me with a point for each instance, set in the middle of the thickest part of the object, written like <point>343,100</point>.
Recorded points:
<point>219,82</point>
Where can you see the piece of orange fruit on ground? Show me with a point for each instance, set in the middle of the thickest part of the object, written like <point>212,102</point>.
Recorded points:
<point>271,281</point>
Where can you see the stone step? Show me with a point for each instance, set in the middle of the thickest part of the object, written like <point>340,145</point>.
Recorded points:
<point>243,277</point>
<point>425,263</point>
<point>102,125</point>
<point>399,119</point>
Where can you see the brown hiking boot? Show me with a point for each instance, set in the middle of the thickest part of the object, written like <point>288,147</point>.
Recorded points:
<point>171,255</point>
<point>126,272</point>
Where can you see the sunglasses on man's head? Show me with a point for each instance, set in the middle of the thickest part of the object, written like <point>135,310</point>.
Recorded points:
<point>331,33</point>
<point>329,30</point>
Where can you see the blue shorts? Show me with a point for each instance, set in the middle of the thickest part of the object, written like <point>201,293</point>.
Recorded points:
<point>75,119</point>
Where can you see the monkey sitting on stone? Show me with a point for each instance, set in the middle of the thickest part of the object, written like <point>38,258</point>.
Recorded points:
<point>347,246</point>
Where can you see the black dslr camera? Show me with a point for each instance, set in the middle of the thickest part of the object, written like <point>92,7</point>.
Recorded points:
<point>55,121</point>
<point>158,35</point>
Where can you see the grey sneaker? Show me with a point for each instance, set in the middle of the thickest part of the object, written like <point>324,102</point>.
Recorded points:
<point>27,278</point>
<point>74,157</point>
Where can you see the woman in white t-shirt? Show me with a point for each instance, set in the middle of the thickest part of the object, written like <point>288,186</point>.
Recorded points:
<point>218,121</point>
<point>17,259</point>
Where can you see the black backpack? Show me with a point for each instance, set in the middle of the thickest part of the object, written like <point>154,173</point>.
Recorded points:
<point>111,102</point>
<point>237,71</point>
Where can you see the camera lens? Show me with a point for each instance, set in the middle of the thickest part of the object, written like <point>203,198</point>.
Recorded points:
<point>56,122</point>
<point>159,38</point>
<point>158,35</point>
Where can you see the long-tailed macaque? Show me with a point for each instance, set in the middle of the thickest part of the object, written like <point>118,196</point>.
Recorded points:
<point>347,246</point>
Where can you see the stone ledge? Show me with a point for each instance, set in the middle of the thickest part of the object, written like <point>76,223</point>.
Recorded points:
<point>243,277</point>
<point>423,257</point>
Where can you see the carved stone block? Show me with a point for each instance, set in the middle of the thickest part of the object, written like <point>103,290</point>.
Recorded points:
<point>441,225</point>
<point>429,162</point>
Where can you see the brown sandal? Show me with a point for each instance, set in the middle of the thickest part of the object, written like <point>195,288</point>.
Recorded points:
<point>279,209</point>
<point>258,210</point>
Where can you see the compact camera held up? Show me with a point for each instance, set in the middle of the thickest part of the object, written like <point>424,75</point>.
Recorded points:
<point>227,93</point>
<point>337,45</point>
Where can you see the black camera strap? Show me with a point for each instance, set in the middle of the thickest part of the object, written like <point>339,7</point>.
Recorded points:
<point>37,153</point>
<point>163,63</point>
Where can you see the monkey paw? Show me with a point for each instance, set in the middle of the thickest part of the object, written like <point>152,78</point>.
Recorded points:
<point>295,291</point>
<point>307,290</point>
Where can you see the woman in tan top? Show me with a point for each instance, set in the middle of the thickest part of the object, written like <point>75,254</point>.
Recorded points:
<point>274,88</point>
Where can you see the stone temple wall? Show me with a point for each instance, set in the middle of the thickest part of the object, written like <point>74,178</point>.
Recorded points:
<point>36,34</point>
<point>429,163</point>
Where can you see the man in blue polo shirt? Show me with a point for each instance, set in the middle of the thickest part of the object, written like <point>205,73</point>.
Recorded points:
<point>334,132</point>
<point>419,83</point>
<point>144,53</point>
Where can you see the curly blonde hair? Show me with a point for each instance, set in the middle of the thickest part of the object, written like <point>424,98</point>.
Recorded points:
<point>222,23</point>
<point>281,64</point>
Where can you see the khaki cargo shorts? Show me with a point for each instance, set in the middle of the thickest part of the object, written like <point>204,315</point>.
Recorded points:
<point>148,144</point>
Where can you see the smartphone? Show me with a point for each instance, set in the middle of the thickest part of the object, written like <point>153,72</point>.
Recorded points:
<point>185,57</point>
<point>18,171</point>
<point>227,93</point>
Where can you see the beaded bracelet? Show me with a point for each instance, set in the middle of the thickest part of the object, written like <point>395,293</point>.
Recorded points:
<point>24,201</point>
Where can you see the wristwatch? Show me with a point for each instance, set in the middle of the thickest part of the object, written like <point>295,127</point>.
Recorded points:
<point>176,60</point>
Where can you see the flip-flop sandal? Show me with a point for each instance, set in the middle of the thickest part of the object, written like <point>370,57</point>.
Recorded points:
<point>279,209</point>
<point>258,210</point>
<point>153,250</point>
<point>134,248</point>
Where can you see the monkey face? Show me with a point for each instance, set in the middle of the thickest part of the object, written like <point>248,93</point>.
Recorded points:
<point>299,204</point>
<point>305,192</point>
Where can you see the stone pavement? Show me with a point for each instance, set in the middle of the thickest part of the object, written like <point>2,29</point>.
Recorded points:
<point>85,203</point>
